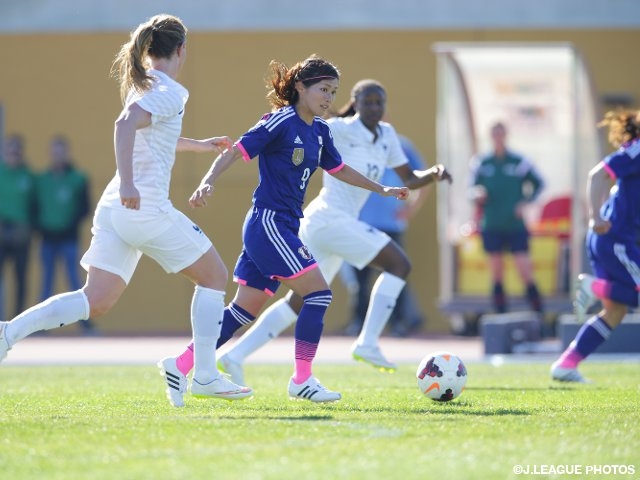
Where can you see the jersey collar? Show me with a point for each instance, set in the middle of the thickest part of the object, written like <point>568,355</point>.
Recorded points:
<point>365,131</point>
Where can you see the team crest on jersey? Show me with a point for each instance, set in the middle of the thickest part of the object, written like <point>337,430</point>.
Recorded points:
<point>298,156</point>
<point>304,252</point>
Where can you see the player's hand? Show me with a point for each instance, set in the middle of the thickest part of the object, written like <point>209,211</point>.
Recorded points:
<point>199,197</point>
<point>401,193</point>
<point>441,173</point>
<point>215,144</point>
<point>599,226</point>
<point>129,197</point>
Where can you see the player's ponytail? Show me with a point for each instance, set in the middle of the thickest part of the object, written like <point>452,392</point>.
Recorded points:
<point>282,80</point>
<point>159,37</point>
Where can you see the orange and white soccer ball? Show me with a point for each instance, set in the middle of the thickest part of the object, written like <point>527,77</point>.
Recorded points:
<point>441,376</point>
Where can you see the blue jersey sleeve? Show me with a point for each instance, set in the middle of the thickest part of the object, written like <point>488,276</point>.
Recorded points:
<point>330,159</point>
<point>257,139</point>
<point>624,162</point>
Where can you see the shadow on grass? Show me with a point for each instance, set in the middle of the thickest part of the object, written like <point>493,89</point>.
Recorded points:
<point>282,418</point>
<point>507,389</point>
<point>576,387</point>
<point>301,418</point>
<point>467,410</point>
<point>452,410</point>
<point>446,409</point>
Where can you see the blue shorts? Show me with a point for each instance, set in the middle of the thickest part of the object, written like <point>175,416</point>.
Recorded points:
<point>514,242</point>
<point>272,250</point>
<point>614,260</point>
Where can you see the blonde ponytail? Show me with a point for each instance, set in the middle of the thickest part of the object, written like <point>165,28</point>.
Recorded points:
<point>159,37</point>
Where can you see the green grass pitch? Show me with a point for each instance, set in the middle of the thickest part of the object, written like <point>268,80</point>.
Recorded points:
<point>99,422</point>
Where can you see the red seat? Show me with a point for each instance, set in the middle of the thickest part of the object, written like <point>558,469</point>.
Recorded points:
<point>555,218</point>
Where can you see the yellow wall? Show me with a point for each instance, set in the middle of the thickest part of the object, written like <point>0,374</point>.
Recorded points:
<point>60,84</point>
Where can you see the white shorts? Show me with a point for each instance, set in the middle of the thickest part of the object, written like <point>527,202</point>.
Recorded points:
<point>121,236</point>
<point>344,239</point>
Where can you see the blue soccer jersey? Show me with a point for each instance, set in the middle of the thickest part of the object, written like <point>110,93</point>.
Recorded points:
<point>288,152</point>
<point>621,208</point>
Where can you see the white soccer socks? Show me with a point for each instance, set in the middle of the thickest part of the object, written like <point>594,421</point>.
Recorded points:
<point>55,312</point>
<point>207,308</point>
<point>381,303</point>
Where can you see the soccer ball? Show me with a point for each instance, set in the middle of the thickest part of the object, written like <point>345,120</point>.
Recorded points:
<point>441,376</point>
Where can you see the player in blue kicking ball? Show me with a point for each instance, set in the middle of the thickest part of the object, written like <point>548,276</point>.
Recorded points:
<point>290,142</point>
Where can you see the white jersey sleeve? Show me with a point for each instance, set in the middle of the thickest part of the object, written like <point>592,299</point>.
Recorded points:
<point>396,155</point>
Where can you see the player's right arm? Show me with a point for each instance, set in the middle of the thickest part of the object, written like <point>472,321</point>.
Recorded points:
<point>132,118</point>
<point>219,165</point>
<point>599,184</point>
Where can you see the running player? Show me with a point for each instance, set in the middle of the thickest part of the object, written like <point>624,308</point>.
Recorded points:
<point>612,244</point>
<point>134,214</point>
<point>291,143</point>
<point>334,234</point>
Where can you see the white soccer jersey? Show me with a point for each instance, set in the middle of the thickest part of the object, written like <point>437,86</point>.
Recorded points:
<point>358,150</point>
<point>154,149</point>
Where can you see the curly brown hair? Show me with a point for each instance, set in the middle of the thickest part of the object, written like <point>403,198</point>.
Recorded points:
<point>623,124</point>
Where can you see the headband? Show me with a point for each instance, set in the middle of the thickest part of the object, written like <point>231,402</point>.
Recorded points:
<point>316,78</point>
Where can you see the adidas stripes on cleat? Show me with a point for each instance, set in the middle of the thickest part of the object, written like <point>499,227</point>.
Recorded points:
<point>312,390</point>
<point>175,379</point>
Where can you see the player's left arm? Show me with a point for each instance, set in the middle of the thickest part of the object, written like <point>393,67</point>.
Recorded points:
<point>353,177</point>
<point>534,184</point>
<point>218,167</point>
<point>532,178</point>
<point>414,179</point>
<point>213,144</point>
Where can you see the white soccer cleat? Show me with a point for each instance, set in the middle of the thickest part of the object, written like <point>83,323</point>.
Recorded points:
<point>373,356</point>
<point>220,387</point>
<point>231,367</point>
<point>312,390</point>
<point>584,297</point>
<point>176,381</point>
<point>4,345</point>
<point>571,375</point>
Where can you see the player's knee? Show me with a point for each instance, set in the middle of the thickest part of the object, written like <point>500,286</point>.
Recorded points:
<point>97,310</point>
<point>100,305</point>
<point>295,301</point>
<point>321,298</point>
<point>401,268</point>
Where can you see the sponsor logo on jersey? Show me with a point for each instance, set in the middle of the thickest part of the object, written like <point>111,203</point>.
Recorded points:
<point>298,140</point>
<point>298,156</point>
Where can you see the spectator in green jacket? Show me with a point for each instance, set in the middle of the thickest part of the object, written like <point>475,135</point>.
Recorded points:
<point>63,202</point>
<point>17,204</point>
